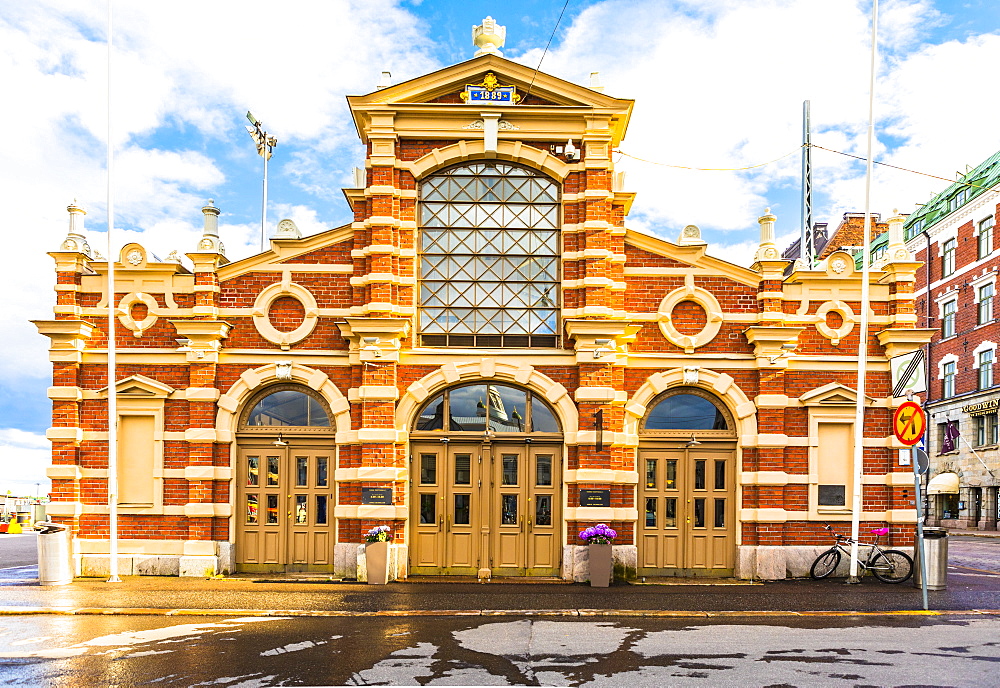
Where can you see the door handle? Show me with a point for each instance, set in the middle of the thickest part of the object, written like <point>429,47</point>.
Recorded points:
<point>448,527</point>
<point>529,525</point>
<point>440,523</point>
<point>520,525</point>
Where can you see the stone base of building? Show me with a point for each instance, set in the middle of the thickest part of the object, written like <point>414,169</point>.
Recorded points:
<point>764,562</point>
<point>192,558</point>
<point>349,561</point>
<point>576,562</point>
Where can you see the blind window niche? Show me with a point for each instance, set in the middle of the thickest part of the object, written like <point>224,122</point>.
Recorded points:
<point>135,460</point>
<point>834,466</point>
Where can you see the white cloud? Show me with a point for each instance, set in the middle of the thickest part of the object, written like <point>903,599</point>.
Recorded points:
<point>24,456</point>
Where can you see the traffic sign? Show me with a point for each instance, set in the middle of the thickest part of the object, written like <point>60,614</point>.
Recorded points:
<point>908,373</point>
<point>921,461</point>
<point>908,423</point>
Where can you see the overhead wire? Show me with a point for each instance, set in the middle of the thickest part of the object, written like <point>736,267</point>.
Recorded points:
<point>812,145</point>
<point>544,52</point>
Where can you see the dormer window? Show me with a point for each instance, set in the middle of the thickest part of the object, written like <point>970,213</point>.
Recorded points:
<point>489,257</point>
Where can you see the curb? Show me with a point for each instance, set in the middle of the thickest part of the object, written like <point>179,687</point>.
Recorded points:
<point>652,613</point>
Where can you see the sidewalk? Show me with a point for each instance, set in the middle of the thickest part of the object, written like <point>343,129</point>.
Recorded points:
<point>968,592</point>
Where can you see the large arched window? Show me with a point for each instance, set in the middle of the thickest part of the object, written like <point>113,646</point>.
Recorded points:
<point>284,407</point>
<point>687,409</point>
<point>474,408</point>
<point>489,257</point>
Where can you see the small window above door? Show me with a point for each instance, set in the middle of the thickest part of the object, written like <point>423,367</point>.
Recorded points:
<point>285,407</point>
<point>686,410</point>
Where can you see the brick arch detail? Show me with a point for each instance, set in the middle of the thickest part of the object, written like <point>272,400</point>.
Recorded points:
<point>512,151</point>
<point>488,370</point>
<point>719,384</point>
<point>232,401</point>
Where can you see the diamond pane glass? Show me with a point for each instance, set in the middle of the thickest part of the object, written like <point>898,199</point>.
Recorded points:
<point>490,249</point>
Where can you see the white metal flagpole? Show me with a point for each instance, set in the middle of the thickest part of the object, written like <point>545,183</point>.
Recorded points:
<point>112,389</point>
<point>859,414</point>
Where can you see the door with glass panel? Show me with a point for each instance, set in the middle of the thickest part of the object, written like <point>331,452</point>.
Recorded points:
<point>687,511</point>
<point>285,509</point>
<point>479,506</point>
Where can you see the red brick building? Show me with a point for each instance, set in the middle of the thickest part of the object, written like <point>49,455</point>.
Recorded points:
<point>487,360</point>
<point>954,236</point>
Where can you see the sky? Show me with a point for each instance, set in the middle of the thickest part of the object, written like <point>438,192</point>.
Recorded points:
<point>717,84</point>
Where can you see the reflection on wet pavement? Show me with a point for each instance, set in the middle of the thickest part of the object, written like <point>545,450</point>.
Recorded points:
<point>256,651</point>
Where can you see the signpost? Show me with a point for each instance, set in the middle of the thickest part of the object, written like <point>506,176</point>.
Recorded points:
<point>909,422</point>
<point>908,425</point>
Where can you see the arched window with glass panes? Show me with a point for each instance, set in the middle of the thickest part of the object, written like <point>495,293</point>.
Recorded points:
<point>489,257</point>
<point>479,408</point>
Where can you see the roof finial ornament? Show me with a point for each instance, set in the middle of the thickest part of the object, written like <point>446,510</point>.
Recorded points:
<point>489,37</point>
<point>75,240</point>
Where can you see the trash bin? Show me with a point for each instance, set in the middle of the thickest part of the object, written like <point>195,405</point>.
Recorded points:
<point>936,551</point>
<point>55,566</point>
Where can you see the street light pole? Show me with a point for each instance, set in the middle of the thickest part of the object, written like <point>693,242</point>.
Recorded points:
<point>265,147</point>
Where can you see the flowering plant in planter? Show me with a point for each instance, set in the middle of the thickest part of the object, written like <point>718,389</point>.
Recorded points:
<point>378,534</point>
<point>601,534</point>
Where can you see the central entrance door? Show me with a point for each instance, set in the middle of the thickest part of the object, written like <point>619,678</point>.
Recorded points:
<point>687,523</point>
<point>286,497</point>
<point>492,505</point>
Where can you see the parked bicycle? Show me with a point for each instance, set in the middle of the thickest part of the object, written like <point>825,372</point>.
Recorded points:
<point>888,565</point>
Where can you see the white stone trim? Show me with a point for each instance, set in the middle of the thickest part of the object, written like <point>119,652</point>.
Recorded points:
<point>269,295</point>
<point>488,368</point>
<point>250,381</point>
<point>948,358</point>
<point>708,303</point>
<point>844,311</point>
<point>125,315</point>
<point>986,345</point>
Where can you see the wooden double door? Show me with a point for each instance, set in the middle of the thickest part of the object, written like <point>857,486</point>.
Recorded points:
<point>285,504</point>
<point>687,509</point>
<point>490,506</point>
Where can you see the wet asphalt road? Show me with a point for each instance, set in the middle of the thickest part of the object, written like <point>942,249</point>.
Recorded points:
<point>248,652</point>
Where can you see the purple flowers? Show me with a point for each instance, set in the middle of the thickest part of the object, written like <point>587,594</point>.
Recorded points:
<point>378,534</point>
<point>600,534</point>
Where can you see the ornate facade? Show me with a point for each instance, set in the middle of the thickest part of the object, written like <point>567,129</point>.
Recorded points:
<point>486,359</point>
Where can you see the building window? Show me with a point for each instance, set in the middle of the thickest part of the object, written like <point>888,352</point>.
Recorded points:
<point>486,407</point>
<point>986,237</point>
<point>985,365</point>
<point>985,302</point>
<point>986,429</point>
<point>948,258</point>
<point>489,257</point>
<point>914,229</point>
<point>958,200</point>
<point>948,318</point>
<point>948,390</point>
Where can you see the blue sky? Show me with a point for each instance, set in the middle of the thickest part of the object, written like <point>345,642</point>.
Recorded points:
<point>717,83</point>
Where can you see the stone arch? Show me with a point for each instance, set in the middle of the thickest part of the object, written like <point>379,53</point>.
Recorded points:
<point>488,369</point>
<point>720,384</point>
<point>511,151</point>
<point>251,381</point>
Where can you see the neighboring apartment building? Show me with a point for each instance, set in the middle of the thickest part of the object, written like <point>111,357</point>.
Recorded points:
<point>487,360</point>
<point>955,236</point>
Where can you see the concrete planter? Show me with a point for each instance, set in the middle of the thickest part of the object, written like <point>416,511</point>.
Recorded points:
<point>377,562</point>
<point>600,565</point>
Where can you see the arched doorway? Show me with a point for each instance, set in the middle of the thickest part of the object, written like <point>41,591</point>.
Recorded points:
<point>285,489</point>
<point>486,477</point>
<point>687,490</point>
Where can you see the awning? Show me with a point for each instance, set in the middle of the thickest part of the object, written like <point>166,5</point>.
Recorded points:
<point>943,483</point>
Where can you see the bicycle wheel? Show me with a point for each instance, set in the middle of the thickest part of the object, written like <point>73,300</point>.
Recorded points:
<point>891,566</point>
<point>825,564</point>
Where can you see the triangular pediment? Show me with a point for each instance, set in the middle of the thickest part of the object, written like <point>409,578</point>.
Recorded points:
<point>294,251</point>
<point>439,86</point>
<point>141,386</point>
<point>833,394</point>
<point>694,256</point>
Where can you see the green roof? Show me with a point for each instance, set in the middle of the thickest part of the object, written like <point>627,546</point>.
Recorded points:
<point>973,183</point>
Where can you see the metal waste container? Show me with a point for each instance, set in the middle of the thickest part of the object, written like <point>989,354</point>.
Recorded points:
<point>55,565</point>
<point>936,551</point>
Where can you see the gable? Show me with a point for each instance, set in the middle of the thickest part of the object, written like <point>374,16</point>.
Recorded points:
<point>669,258</point>
<point>833,394</point>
